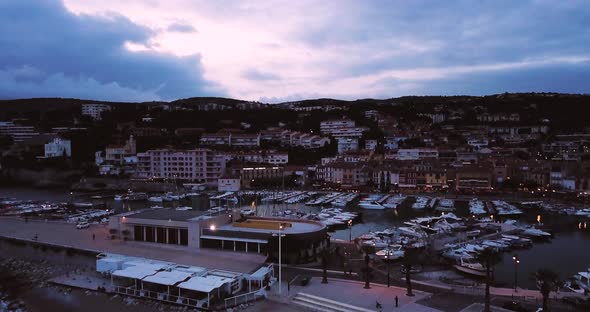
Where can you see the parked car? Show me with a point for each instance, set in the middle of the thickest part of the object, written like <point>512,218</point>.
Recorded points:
<point>82,225</point>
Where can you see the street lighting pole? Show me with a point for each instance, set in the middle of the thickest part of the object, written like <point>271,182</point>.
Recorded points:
<point>516,263</point>
<point>387,260</point>
<point>280,252</point>
<point>350,230</point>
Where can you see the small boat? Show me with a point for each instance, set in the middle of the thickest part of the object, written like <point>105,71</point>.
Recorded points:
<point>470,266</point>
<point>118,197</point>
<point>533,232</point>
<point>390,253</point>
<point>248,212</point>
<point>184,208</point>
<point>155,199</point>
<point>371,205</point>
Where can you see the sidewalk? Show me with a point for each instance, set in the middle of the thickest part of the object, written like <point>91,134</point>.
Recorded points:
<point>354,293</point>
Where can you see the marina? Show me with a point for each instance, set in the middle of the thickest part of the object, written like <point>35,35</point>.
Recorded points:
<point>401,223</point>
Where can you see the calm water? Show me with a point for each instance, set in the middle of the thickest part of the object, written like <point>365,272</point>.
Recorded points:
<point>566,253</point>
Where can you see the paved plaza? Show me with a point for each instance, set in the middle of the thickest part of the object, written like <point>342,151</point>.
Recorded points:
<point>66,234</point>
<point>354,293</point>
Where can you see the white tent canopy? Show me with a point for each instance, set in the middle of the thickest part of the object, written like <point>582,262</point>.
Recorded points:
<point>139,271</point>
<point>168,278</point>
<point>204,284</point>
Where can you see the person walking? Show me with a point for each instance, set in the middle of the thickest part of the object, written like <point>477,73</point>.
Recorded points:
<point>93,236</point>
<point>396,301</point>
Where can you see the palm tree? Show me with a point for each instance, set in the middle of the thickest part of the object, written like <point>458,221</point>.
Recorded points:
<point>489,257</point>
<point>547,281</point>
<point>411,256</point>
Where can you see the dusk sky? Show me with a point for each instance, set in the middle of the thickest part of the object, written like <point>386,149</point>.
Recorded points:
<point>272,51</point>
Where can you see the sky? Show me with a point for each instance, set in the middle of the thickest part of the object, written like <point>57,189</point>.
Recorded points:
<point>281,50</point>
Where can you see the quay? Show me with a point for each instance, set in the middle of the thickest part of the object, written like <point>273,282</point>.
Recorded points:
<point>65,235</point>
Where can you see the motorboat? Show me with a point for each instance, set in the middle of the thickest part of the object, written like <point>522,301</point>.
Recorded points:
<point>536,233</point>
<point>391,253</point>
<point>155,199</point>
<point>118,197</point>
<point>184,208</point>
<point>457,254</point>
<point>470,266</point>
<point>477,207</point>
<point>248,212</point>
<point>371,205</point>
<point>583,280</point>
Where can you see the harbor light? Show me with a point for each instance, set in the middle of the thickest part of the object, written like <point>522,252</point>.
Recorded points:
<point>212,227</point>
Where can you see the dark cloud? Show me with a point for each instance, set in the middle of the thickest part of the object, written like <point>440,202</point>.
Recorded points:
<point>255,74</point>
<point>181,27</point>
<point>413,34</point>
<point>47,51</point>
<point>562,77</point>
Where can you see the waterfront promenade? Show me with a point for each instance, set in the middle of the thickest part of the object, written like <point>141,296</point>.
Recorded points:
<point>66,235</point>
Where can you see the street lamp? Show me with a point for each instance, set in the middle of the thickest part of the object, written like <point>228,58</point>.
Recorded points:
<point>281,227</point>
<point>350,230</point>
<point>516,261</point>
<point>387,258</point>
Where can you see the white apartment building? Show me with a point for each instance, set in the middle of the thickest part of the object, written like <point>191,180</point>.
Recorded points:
<point>417,153</point>
<point>228,184</point>
<point>95,110</point>
<point>328,126</point>
<point>17,132</point>
<point>478,142</point>
<point>355,132</point>
<point>197,165</point>
<point>58,147</point>
<point>347,144</point>
<point>370,145</point>
<point>275,158</point>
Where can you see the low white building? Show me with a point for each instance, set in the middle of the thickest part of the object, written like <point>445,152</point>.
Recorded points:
<point>95,110</point>
<point>347,144</point>
<point>417,153</point>
<point>58,147</point>
<point>228,184</point>
<point>370,145</point>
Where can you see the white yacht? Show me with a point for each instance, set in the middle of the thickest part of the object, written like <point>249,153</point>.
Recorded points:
<point>155,199</point>
<point>393,253</point>
<point>470,266</point>
<point>371,205</point>
<point>534,232</point>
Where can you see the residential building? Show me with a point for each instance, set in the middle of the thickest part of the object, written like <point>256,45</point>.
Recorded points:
<point>417,153</point>
<point>473,179</point>
<point>17,132</point>
<point>197,165</point>
<point>347,144</point>
<point>58,147</point>
<point>371,145</point>
<point>115,153</point>
<point>228,184</point>
<point>250,173</point>
<point>95,110</point>
<point>329,126</point>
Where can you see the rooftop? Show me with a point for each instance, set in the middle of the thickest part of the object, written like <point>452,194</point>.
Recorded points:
<point>167,214</point>
<point>272,226</point>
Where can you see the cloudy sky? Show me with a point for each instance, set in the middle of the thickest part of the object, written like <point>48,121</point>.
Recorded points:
<point>273,51</point>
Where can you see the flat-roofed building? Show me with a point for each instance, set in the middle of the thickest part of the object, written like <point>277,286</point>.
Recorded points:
<point>95,110</point>
<point>197,165</point>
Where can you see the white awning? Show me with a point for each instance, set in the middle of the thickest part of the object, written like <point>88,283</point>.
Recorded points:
<point>246,240</point>
<point>204,284</point>
<point>138,271</point>
<point>167,278</point>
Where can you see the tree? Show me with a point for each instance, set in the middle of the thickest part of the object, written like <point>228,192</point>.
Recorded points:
<point>411,257</point>
<point>547,281</point>
<point>489,257</point>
